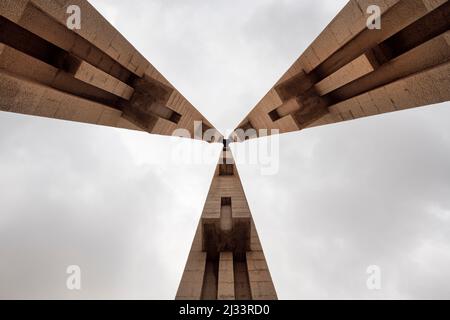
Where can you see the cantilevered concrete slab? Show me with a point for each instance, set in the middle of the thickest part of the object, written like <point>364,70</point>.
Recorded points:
<point>92,75</point>
<point>351,71</point>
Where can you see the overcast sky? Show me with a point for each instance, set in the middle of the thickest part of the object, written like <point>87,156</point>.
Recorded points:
<point>373,191</point>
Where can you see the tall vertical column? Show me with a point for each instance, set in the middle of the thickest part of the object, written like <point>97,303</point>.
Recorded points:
<point>226,260</point>
<point>225,288</point>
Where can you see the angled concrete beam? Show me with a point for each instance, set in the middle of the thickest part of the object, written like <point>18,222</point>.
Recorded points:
<point>91,75</point>
<point>351,71</point>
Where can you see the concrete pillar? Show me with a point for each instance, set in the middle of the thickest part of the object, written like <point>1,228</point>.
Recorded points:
<point>225,288</point>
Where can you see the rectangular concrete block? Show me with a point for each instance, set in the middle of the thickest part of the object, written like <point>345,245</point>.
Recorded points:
<point>232,276</point>
<point>259,275</point>
<point>225,288</point>
<point>189,291</point>
<point>255,244</point>
<point>340,29</point>
<point>354,13</point>
<point>96,77</point>
<point>59,105</point>
<point>381,99</point>
<point>430,86</point>
<point>57,9</point>
<point>153,73</point>
<point>123,90</point>
<point>257,265</point>
<point>45,26</point>
<point>329,118</point>
<point>225,291</point>
<point>104,32</point>
<point>90,115</point>
<point>17,95</point>
<point>261,284</point>
<point>287,123</point>
<point>92,23</point>
<point>21,64</point>
<point>399,94</point>
<point>349,109</point>
<point>109,117</point>
<point>126,124</point>
<point>263,290</point>
<point>325,45</point>
<point>192,279</point>
<point>47,106</point>
<point>433,4</point>
<point>447,39</point>
<point>367,105</point>
<point>384,5</point>
<point>193,276</point>
<point>98,31</point>
<point>255,255</point>
<point>12,9</point>
<point>348,73</point>
<point>196,261</point>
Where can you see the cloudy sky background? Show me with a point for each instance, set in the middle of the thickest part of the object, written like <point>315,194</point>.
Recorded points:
<point>349,195</point>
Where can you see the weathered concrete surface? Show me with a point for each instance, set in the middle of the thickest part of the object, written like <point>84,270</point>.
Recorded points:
<point>242,272</point>
<point>350,71</point>
<point>91,75</point>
